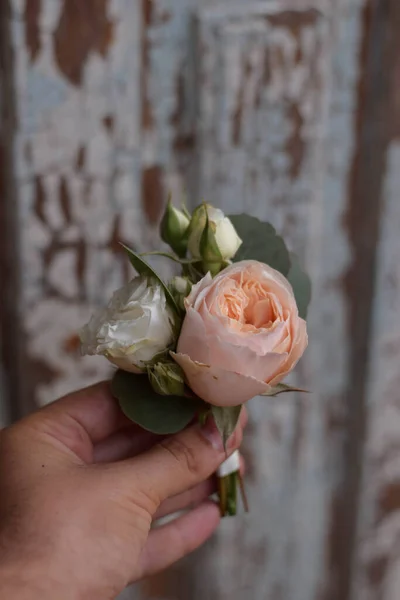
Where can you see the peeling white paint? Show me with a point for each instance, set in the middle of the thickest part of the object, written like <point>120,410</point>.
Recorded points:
<point>378,532</point>
<point>288,162</point>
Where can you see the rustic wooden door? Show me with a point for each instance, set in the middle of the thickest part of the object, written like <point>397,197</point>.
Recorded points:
<point>285,109</point>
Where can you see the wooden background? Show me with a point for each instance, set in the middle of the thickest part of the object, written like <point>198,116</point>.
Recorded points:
<point>289,110</point>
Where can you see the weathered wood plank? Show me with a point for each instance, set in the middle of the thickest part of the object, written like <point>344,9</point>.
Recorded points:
<point>9,281</point>
<point>376,561</point>
<point>77,171</point>
<point>377,552</point>
<point>292,165</point>
<point>276,90</point>
<point>374,124</point>
<point>252,106</point>
<point>261,102</point>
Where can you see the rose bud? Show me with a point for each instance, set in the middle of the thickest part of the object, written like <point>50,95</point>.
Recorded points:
<point>167,379</point>
<point>212,237</point>
<point>173,229</point>
<point>136,325</point>
<point>180,288</point>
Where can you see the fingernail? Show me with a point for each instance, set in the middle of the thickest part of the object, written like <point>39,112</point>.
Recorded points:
<point>210,432</point>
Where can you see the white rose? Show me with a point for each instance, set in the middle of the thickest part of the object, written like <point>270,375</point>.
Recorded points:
<point>136,325</point>
<point>226,238</point>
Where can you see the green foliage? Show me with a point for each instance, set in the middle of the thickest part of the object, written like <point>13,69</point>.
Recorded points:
<point>260,242</point>
<point>142,405</point>
<point>301,285</point>
<point>283,388</point>
<point>226,418</point>
<point>173,228</point>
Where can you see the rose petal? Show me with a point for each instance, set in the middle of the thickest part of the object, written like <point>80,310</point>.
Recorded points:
<point>124,363</point>
<point>218,386</point>
<point>260,342</point>
<point>244,360</point>
<point>193,338</point>
<point>298,348</point>
<point>197,289</point>
<point>253,267</point>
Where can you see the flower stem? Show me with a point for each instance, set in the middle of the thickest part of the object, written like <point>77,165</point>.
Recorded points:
<point>227,488</point>
<point>175,258</point>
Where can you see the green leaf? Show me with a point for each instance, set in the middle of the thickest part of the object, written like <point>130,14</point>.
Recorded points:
<point>143,268</point>
<point>226,419</point>
<point>301,284</point>
<point>173,228</point>
<point>260,242</point>
<point>283,388</point>
<point>159,414</point>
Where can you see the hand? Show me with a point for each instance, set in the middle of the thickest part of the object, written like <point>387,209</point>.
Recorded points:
<point>79,489</point>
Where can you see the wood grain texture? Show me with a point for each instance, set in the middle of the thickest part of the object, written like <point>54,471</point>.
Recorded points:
<point>377,551</point>
<point>254,106</point>
<point>376,560</point>
<point>304,192</point>
<point>264,84</point>
<point>9,235</point>
<point>77,172</point>
<point>269,130</point>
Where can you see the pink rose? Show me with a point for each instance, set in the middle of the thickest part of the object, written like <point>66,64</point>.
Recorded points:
<point>241,335</point>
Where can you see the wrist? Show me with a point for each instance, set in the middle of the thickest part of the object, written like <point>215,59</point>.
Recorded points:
<point>27,580</point>
<point>32,579</point>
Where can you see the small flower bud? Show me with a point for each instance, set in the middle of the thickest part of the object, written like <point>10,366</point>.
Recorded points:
<point>167,379</point>
<point>180,288</point>
<point>211,235</point>
<point>173,229</point>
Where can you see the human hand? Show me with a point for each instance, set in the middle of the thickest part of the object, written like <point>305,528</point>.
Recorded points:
<point>79,489</point>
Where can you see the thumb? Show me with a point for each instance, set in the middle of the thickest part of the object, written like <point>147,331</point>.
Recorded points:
<point>181,461</point>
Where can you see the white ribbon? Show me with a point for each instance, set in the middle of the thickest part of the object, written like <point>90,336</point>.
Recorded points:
<point>230,465</point>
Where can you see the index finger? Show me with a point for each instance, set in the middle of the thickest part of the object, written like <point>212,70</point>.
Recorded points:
<point>181,461</point>
<point>92,411</point>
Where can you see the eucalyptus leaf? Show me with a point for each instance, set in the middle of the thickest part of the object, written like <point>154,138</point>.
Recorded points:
<point>260,242</point>
<point>143,268</point>
<point>226,419</point>
<point>301,285</point>
<point>283,388</point>
<point>159,414</point>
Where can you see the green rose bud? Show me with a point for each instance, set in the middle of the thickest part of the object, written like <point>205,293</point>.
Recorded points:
<point>173,229</point>
<point>167,379</point>
<point>212,238</point>
<point>197,225</point>
<point>180,288</point>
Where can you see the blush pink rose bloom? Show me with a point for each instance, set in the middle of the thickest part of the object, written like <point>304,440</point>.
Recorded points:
<point>242,334</point>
